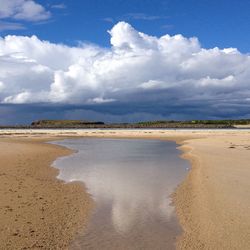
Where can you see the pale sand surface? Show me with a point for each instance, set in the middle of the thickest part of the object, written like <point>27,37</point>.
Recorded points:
<point>213,202</point>
<point>36,210</point>
<point>242,126</point>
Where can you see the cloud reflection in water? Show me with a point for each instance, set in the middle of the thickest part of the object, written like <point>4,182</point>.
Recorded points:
<point>133,178</point>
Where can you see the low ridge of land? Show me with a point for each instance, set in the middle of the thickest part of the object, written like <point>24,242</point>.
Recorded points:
<point>243,123</point>
<point>64,123</point>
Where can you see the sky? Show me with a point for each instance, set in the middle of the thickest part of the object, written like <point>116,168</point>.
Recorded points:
<point>124,61</point>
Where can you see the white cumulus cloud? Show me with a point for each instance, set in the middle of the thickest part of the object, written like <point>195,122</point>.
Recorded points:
<point>27,10</point>
<point>139,68</point>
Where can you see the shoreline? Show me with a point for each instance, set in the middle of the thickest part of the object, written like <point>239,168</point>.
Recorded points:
<point>207,220</point>
<point>37,209</point>
<point>212,202</point>
<point>181,204</point>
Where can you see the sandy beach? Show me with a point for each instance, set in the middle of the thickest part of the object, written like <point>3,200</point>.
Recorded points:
<point>37,211</point>
<point>212,203</point>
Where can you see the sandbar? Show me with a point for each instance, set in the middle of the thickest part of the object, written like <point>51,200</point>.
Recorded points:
<point>212,203</point>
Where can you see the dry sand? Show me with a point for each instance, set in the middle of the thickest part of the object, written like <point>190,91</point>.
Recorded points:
<point>213,202</point>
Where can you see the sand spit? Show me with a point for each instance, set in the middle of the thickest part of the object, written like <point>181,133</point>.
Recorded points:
<point>213,202</point>
<point>37,210</point>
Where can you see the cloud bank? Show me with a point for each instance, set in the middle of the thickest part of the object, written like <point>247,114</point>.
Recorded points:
<point>138,73</point>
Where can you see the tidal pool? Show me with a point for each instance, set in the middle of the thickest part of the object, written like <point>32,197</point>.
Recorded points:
<point>131,182</point>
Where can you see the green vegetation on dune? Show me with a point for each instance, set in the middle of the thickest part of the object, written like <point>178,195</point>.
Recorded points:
<point>147,124</point>
<point>229,122</point>
<point>192,124</point>
<point>63,123</point>
<point>198,122</point>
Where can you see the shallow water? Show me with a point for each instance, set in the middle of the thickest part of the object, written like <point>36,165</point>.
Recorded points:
<point>130,182</point>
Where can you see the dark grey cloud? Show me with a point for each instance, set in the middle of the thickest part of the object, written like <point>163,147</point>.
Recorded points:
<point>12,114</point>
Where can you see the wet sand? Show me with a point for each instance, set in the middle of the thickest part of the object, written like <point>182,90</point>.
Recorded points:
<point>212,204</point>
<point>36,210</point>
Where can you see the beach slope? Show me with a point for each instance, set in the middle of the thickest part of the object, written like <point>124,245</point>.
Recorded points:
<point>36,209</point>
<point>213,203</point>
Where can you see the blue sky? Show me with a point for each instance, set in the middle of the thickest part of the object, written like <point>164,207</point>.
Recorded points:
<point>124,61</point>
<point>216,23</point>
